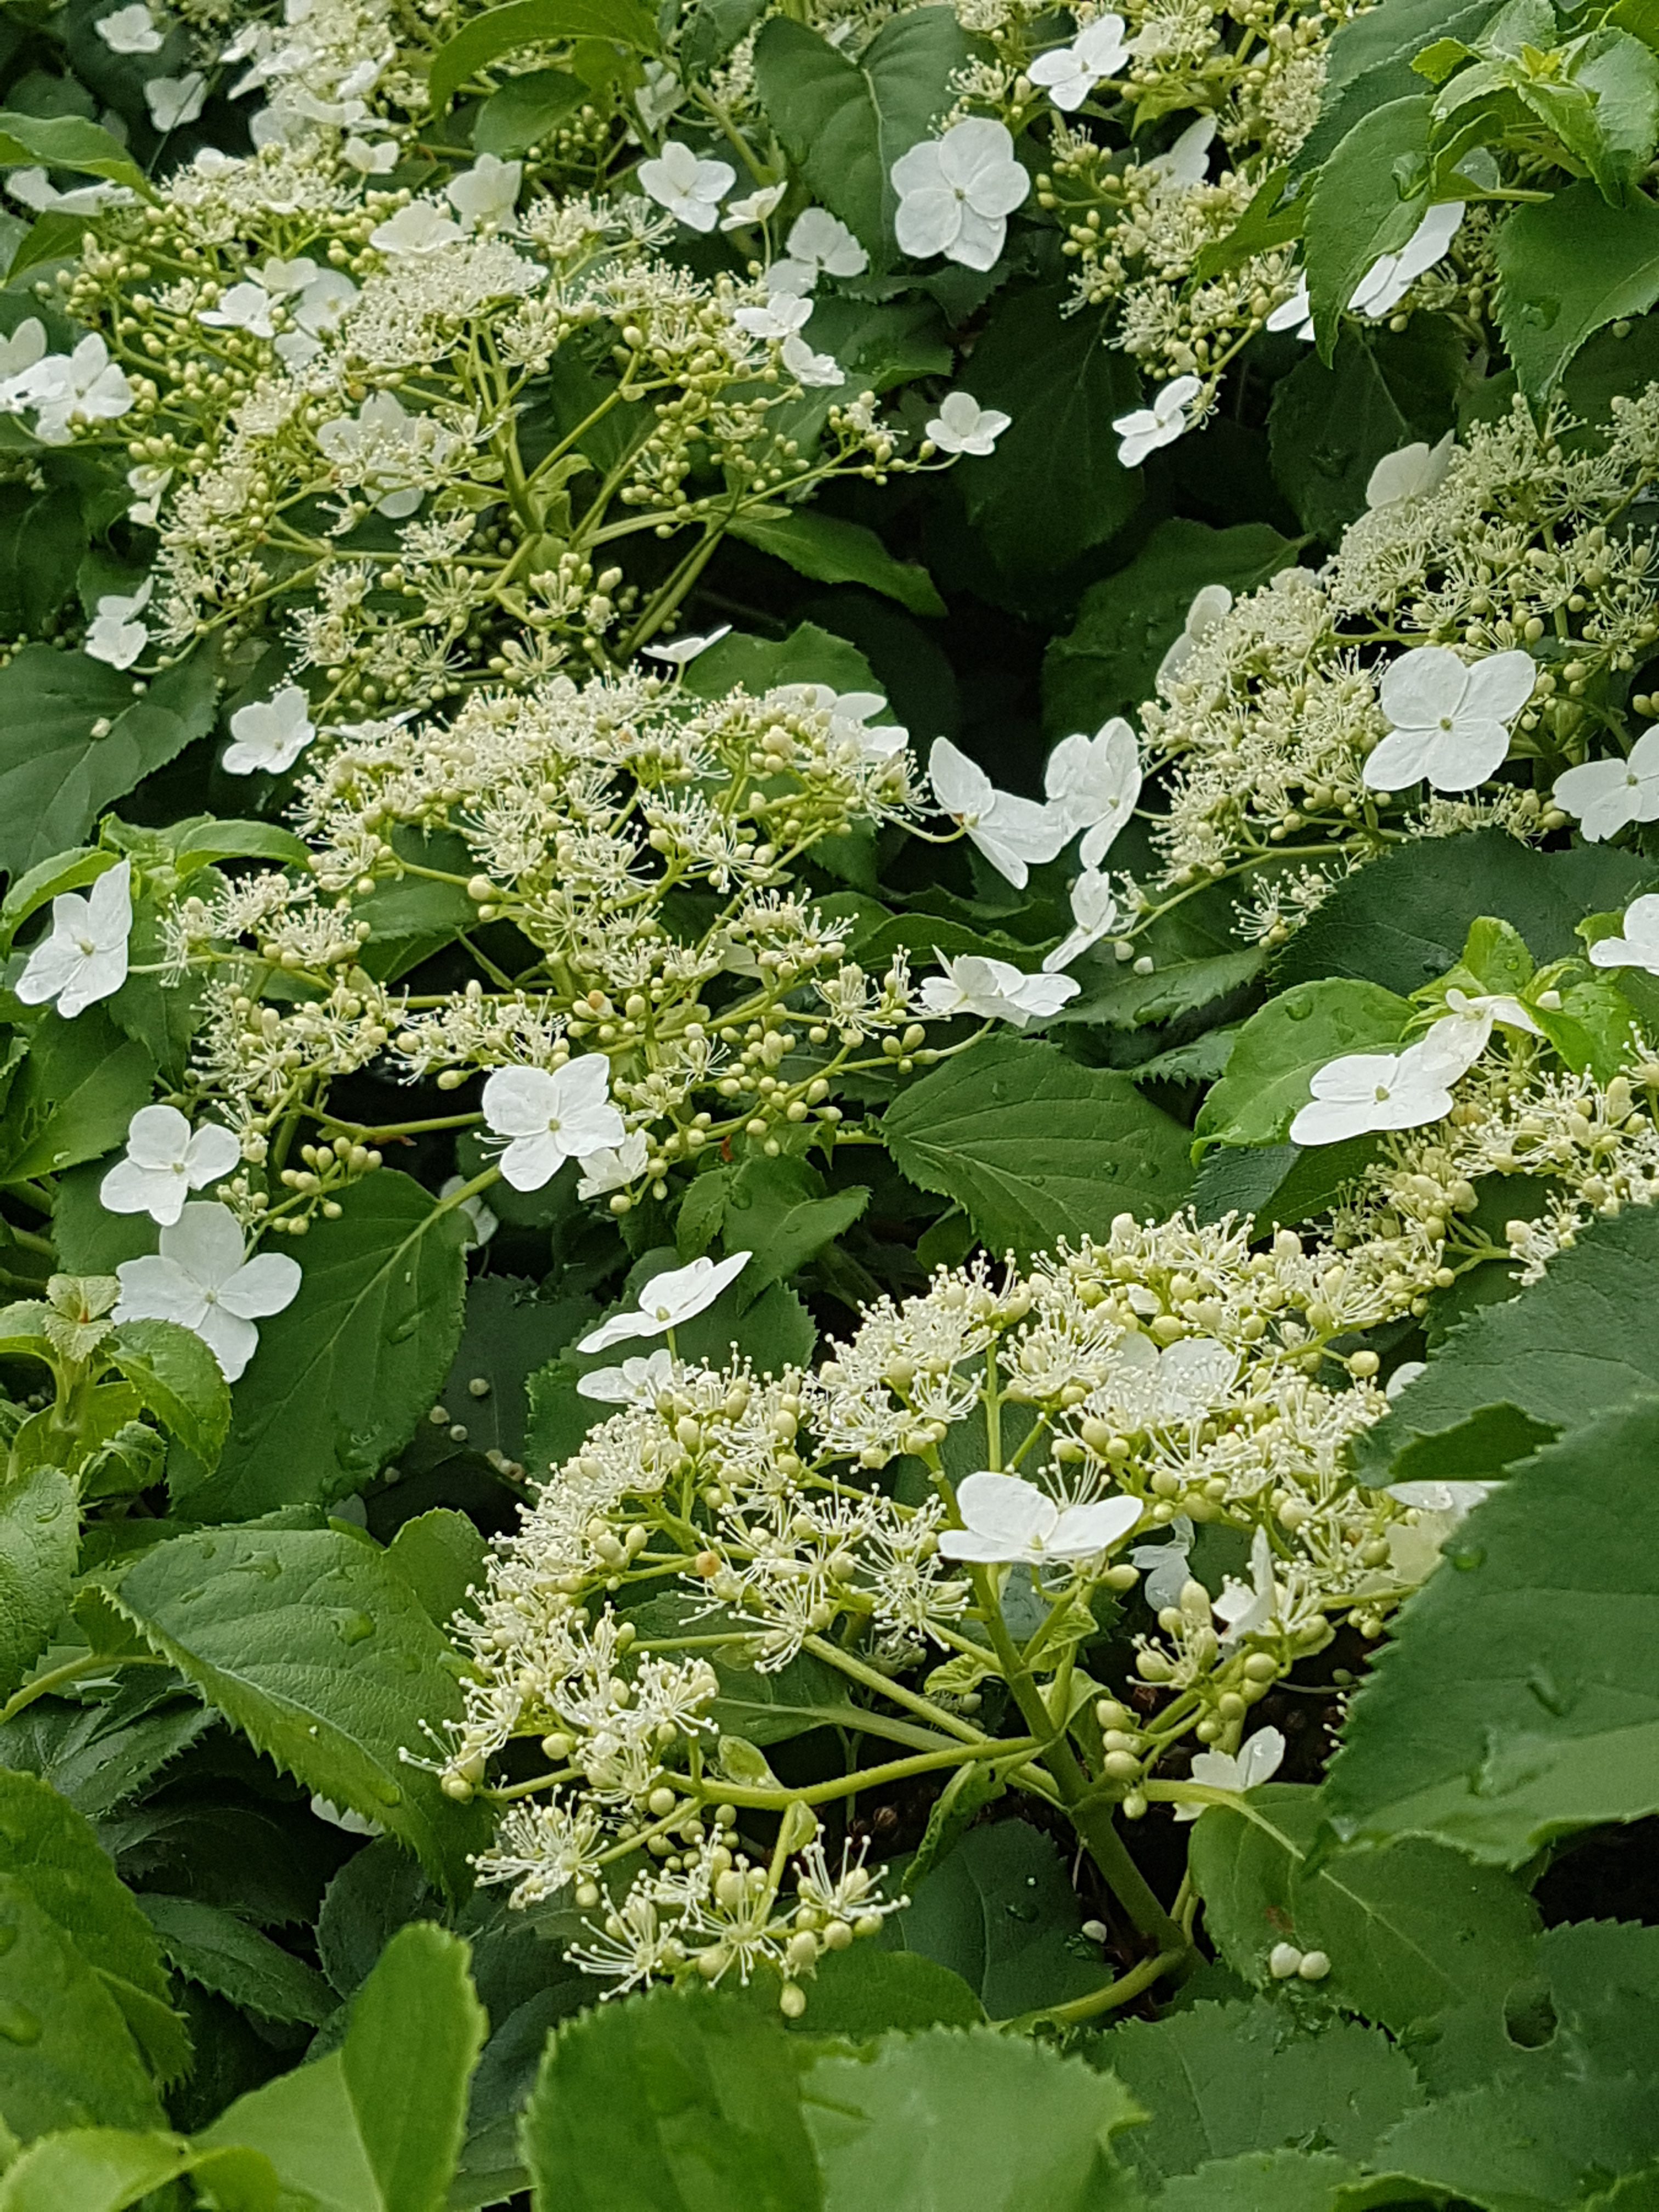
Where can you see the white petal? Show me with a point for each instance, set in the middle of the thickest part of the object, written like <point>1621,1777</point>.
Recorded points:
<point>267,1284</point>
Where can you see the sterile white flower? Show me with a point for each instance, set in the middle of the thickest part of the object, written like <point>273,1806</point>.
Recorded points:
<point>484,1219</point>
<point>1245,1608</point>
<point>1147,428</point>
<point>677,1295</point>
<point>1186,160</point>
<point>819,245</point>
<point>1208,608</point>
<point>1012,832</point>
<point>175,101</point>
<point>1410,472</point>
<point>1387,282</point>
<point>1460,1038</point>
<point>1366,1091</point>
<point>688,188</point>
<point>1094,915</point>
<point>395,449</point>
<point>659,96</point>
<point>1607,795</point>
<point>995,991</point>
<point>243,308</point>
<point>550,1116</point>
<point>815,371</point>
<point>1008,1521</point>
<point>488,192</point>
<point>202,1279</point>
<point>1448,719</point>
<point>637,1381</point>
<point>1638,948</point>
<point>370,160</point>
<point>130,31</point>
<point>270,734</point>
<point>317,314</point>
<point>1403,1377</point>
<point>115,635</point>
<point>416,230</point>
<point>147,483</point>
<point>1456,1499</point>
<point>1071,73</point>
<point>956,193</point>
<point>85,956</point>
<point>1295,314</point>
<point>83,386</point>
<point>35,189</point>
<point>1166,1566</point>
<point>680,650</point>
<point>755,209</point>
<point>612,1168</point>
<point>1093,783</point>
<point>1259,1758</point>
<point>165,1161</point>
<point>962,426</point>
<point>783,315</point>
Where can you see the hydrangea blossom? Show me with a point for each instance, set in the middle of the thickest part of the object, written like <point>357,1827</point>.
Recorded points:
<point>130,30</point>
<point>1094,915</point>
<point>115,635</point>
<point>1093,783</point>
<point>173,101</point>
<point>1366,1091</point>
<point>996,991</point>
<point>1637,946</point>
<point>165,1161</point>
<point>1607,795</point>
<point>819,244</point>
<point>962,426</point>
<point>547,1116</point>
<point>689,188</point>
<point>202,1279</point>
<point>956,193</point>
<point>270,734</point>
<point>1012,832</point>
<point>1007,1520</point>
<point>1448,720</point>
<point>1209,606</point>
<point>1258,1759</point>
<point>1410,473</point>
<point>1144,429</point>
<point>668,1300</point>
<point>1070,74</point>
<point>85,956</point>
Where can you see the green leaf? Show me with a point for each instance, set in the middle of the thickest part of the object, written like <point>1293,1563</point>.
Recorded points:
<point>1567,268</point>
<point>712,27</point>
<point>209,840</point>
<point>345,1373</point>
<point>669,2103</point>
<point>1410,1932</point>
<point>1520,1697</point>
<point>1329,426</point>
<point>319,1651</point>
<point>74,1096</point>
<point>1368,63</point>
<point>441,1555</point>
<point>56,775</point>
<point>1000,1912</point>
<point>782,1212</point>
<point>525,110</point>
<point>844,123</point>
<point>1224,2079</point>
<point>831,552</point>
<point>1280,1050</point>
<point>1604,107</point>
<point>1288,2180</point>
<point>49,1851</point>
<point>1036,1147</point>
<point>43,541</point>
<point>66,2057</point>
<point>533,23</point>
<point>220,1952</point>
<point>180,1380</point>
<point>1356,212</point>
<point>1590,2006</point>
<point>1513,2149</point>
<point>69,142</point>
<point>40,1543</point>
<point>863,1992</point>
<point>107,2169</point>
<point>377,2125</point>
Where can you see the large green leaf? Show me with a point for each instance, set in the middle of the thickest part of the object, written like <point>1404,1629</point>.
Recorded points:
<point>1280,1050</point>
<point>214,1948</point>
<point>1000,1912</point>
<point>179,1380</point>
<point>107,2169</point>
<point>831,552</point>
<point>1329,426</point>
<point>344,1375</point>
<point>1566,270</point>
<point>75,1094</point>
<point>1286,2180</point>
<point>1368,63</point>
<point>1035,1147</point>
<point>1520,1697</point>
<point>67,141</point>
<point>782,1212</point>
<point>1510,2149</point>
<point>318,1650</point>
<point>533,23</point>
<point>1355,212</point>
<point>39,1542</point>
<point>67,2059</point>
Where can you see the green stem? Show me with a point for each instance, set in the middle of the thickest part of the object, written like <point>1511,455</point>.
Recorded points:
<point>1114,1994</point>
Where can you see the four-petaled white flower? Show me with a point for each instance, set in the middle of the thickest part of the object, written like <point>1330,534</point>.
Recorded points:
<point>270,734</point>
<point>680,650</point>
<point>175,101</point>
<point>784,314</point>
<point>1188,159</point>
<point>85,958</point>
<point>317,314</point>
<point>688,188</point>
<point>369,160</point>
<point>165,1162</point>
<point>115,635</point>
<point>1387,282</point>
<point>1167,1566</point>
<point>637,1381</point>
<point>1071,73</point>
<point>485,1221</point>
<point>1259,1758</point>
<point>1094,916</point>
<point>1144,430</point>
<point>815,371</point>
<point>147,482</point>
<point>1607,795</point>
<point>488,192</point>
<point>1007,1520</point>
<point>995,991</point>
<point>202,1279</point>
<point>614,1167</point>
<point>962,426</point>
<point>956,193</point>
<point>1410,472</point>
<point>1461,1035</point>
<point>550,1116</point>
<point>1455,1499</point>
<point>1638,948</point>
<point>416,230</point>
<point>756,208</point>
<point>819,245</point>
<point>1366,1091</point>
<point>678,1294</point>
<point>1210,605</point>
<point>1093,784</point>
<point>130,31</point>
<point>70,389</point>
<point>1012,832</point>
<point>1447,720</point>
<point>1246,1608</point>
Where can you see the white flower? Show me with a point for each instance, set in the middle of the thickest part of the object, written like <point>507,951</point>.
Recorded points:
<point>317,313</point>
<point>638,1382</point>
<point>488,192</point>
<point>783,315</point>
<point>850,719</point>
<point>1295,314</point>
<point>814,371</point>
<point>1148,427</point>
<point>114,634</point>
<point>485,1221</point>
<point>962,426</point>
<point>612,1168</point>
<point>370,160</point>
<point>130,31</point>
<point>243,308</point>
<point>688,188</point>
<point>390,450</point>
<point>202,1279</point>
<point>1403,1377</point>
<point>35,189</point>
<point>1607,795</point>
<point>1638,948</point>
<point>1209,606</point>
<point>1186,160</point>
<point>1008,1521</point>
<point>70,389</point>
<point>996,991</point>
<point>757,207</point>
<point>1094,915</point>
<point>1455,1498</point>
<point>1411,472</point>
<point>270,734</point>
<point>1093,784</point>
<point>1366,1091</point>
<point>680,650</point>
<point>418,229</point>
<point>819,245</point>
<point>1387,282</point>
<point>1460,1038</point>
<point>1245,1608</point>
<point>85,958</point>
<point>1166,1566</point>
<point>956,193</point>
<point>1259,1758</point>
<point>677,1295</point>
<point>1012,832</point>
<point>1071,73</point>
<point>165,1162</point>
<point>147,483</point>
<point>175,101</point>
<point>1447,720</point>
<point>549,1116</point>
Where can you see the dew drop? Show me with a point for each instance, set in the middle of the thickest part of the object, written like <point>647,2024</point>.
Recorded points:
<point>387,1792</point>
<point>18,2024</point>
<point>353,1627</point>
<point>1465,1557</point>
